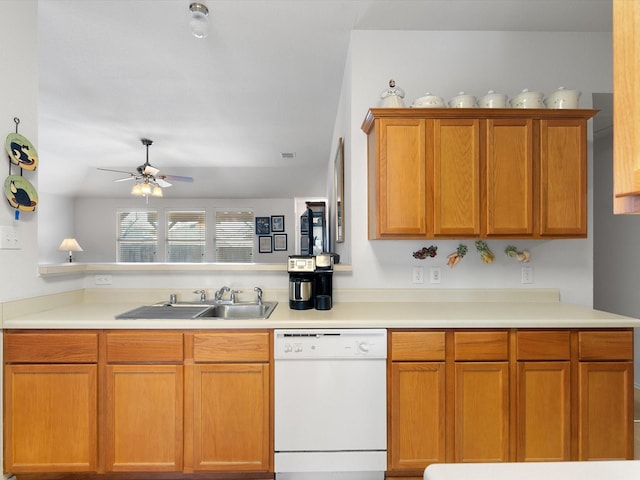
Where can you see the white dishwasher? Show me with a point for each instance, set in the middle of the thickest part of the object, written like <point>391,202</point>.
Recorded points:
<point>330,404</point>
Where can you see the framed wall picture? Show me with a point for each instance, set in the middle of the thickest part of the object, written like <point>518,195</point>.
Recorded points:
<point>265,244</point>
<point>277,223</point>
<point>263,225</point>
<point>279,242</point>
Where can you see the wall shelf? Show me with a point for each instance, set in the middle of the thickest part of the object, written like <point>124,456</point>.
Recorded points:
<point>90,268</point>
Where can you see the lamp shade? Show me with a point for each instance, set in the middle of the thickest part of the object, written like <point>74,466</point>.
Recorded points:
<point>70,245</point>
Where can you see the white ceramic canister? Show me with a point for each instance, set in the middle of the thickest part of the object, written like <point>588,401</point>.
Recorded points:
<point>527,99</point>
<point>463,100</point>
<point>392,97</point>
<point>428,101</point>
<point>563,98</point>
<point>493,100</point>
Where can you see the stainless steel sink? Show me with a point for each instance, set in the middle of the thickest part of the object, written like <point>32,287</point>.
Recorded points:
<point>188,311</point>
<point>240,310</point>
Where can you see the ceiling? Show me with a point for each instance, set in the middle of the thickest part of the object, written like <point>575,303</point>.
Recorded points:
<point>223,109</point>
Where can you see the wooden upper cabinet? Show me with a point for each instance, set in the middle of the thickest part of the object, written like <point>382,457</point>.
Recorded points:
<point>508,209</point>
<point>477,172</point>
<point>626,106</point>
<point>397,179</point>
<point>563,178</point>
<point>456,177</point>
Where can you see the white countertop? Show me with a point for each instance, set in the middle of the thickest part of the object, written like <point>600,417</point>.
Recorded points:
<point>600,470</point>
<point>93,313</point>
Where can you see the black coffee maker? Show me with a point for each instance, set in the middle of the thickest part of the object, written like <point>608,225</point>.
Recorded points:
<point>324,282</point>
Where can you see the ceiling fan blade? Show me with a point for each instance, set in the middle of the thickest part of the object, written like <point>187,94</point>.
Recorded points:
<point>162,183</point>
<point>118,171</point>
<point>177,178</point>
<point>125,179</point>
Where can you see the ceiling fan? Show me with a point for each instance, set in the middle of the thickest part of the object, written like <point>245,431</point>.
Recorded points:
<point>148,180</point>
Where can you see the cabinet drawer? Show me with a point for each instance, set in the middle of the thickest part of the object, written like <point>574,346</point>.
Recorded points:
<point>551,345</point>
<point>231,347</point>
<point>417,346</point>
<point>481,346</point>
<point>144,347</point>
<point>609,345</point>
<point>51,347</point>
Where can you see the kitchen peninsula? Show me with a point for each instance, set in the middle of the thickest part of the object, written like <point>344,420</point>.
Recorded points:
<point>473,375</point>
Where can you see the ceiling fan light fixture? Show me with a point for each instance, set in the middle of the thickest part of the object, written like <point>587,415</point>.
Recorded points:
<point>145,188</point>
<point>157,191</point>
<point>199,22</point>
<point>136,190</point>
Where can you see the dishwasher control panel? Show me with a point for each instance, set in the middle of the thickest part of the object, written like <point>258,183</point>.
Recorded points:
<point>330,343</point>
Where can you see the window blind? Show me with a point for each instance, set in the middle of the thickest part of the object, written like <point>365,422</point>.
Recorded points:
<point>234,236</point>
<point>137,236</point>
<point>186,236</point>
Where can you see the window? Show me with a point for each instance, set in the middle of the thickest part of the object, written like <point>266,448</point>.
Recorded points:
<point>137,236</point>
<point>234,236</point>
<point>186,237</point>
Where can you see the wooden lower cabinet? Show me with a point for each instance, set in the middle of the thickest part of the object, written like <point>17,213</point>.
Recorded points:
<point>231,417</point>
<point>481,412</point>
<point>144,418</point>
<point>51,419</point>
<point>50,401</point>
<point>228,419</point>
<point>138,401</point>
<point>508,395</point>
<point>606,411</point>
<point>543,411</point>
<point>417,393</point>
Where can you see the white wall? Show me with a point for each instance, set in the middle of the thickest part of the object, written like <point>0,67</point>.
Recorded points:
<point>18,87</point>
<point>445,63</point>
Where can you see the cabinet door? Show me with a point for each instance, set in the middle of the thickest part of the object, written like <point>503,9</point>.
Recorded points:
<point>417,415</point>
<point>231,417</point>
<point>508,209</point>
<point>563,178</point>
<point>626,106</point>
<point>544,411</point>
<point>605,411</point>
<point>481,412</point>
<point>144,417</point>
<point>50,420</point>
<point>456,177</point>
<point>399,195</point>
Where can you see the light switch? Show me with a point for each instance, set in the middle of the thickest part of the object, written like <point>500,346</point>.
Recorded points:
<point>9,238</point>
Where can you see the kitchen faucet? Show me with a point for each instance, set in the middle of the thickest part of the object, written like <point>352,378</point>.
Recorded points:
<point>258,291</point>
<point>203,295</point>
<point>220,293</point>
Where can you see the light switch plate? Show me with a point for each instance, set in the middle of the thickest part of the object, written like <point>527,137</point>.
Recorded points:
<point>9,238</point>
<point>527,274</point>
<point>418,275</point>
<point>103,280</point>
<point>436,274</point>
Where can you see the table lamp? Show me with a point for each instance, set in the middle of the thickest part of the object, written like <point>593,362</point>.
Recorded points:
<point>70,245</point>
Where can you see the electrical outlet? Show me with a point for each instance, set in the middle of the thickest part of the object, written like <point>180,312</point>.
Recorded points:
<point>527,274</point>
<point>436,273</point>
<point>103,279</point>
<point>418,275</point>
